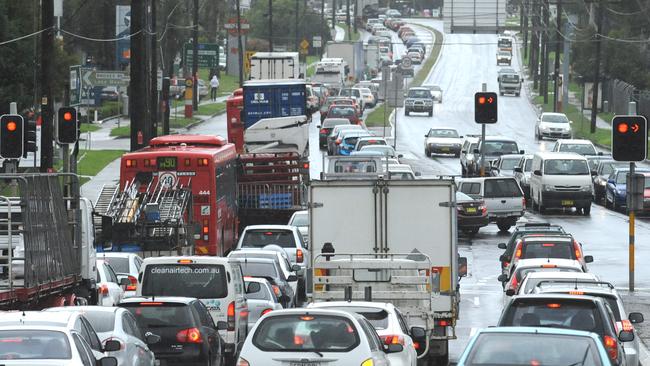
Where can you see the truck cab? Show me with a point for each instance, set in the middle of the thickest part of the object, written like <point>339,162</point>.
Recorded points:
<point>509,82</point>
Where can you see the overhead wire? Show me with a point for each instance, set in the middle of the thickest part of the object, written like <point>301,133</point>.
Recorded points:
<point>25,36</point>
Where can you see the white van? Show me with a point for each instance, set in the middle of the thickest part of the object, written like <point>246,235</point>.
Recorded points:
<point>561,180</point>
<point>218,282</point>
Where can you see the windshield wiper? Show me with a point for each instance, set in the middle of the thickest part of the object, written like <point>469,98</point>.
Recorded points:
<point>584,358</point>
<point>318,353</point>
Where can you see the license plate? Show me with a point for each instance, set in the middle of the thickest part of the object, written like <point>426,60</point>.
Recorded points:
<point>304,363</point>
<point>444,149</point>
<point>471,210</point>
<point>567,203</point>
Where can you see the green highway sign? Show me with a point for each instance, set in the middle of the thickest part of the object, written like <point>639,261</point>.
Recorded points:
<point>207,55</point>
<point>92,78</point>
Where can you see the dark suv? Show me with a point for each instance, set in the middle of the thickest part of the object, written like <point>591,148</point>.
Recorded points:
<point>188,335</point>
<point>521,230</point>
<point>577,312</point>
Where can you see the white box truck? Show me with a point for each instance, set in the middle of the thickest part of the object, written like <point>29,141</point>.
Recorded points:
<point>275,65</point>
<point>353,54</point>
<point>474,16</point>
<point>398,245</point>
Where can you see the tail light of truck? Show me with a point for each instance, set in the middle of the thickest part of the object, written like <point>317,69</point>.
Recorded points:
<point>299,256</point>
<point>338,141</point>
<point>190,335</point>
<point>576,248</point>
<point>231,316</point>
<point>317,273</point>
<point>392,339</point>
<point>443,322</point>
<point>611,346</point>
<point>205,230</point>
<point>134,284</point>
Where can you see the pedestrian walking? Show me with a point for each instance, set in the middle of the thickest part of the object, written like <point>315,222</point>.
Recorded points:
<point>214,84</point>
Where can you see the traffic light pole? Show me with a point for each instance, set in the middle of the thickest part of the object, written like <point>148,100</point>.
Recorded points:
<point>484,89</point>
<point>631,230</point>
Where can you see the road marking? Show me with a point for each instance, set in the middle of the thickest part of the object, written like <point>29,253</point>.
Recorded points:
<point>477,302</point>
<point>644,355</point>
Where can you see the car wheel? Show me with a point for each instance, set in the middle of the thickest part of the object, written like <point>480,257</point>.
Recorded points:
<point>473,231</point>
<point>586,210</point>
<point>406,112</point>
<point>430,113</point>
<point>503,226</point>
<point>607,204</point>
<point>541,207</point>
<point>463,171</point>
<point>427,153</point>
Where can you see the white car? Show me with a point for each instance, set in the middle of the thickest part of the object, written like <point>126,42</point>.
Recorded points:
<point>526,266</point>
<point>388,321</point>
<point>553,125</point>
<point>579,146</point>
<point>300,219</point>
<point>260,298</point>
<point>279,256</point>
<point>117,324</point>
<point>368,97</point>
<point>309,336</point>
<point>441,140</point>
<point>385,150</point>
<point>532,280</point>
<point>415,56</point>
<point>400,172</point>
<point>125,265</point>
<point>109,289</point>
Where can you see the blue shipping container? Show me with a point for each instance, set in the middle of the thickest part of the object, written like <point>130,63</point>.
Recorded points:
<point>273,98</point>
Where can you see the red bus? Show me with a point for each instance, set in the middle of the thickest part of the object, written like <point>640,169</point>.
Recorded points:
<point>206,164</point>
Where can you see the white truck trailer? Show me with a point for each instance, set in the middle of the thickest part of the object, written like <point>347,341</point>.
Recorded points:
<point>275,65</point>
<point>474,16</point>
<point>398,245</point>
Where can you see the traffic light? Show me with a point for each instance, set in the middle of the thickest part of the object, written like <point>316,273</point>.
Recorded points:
<point>29,140</point>
<point>68,129</point>
<point>11,136</point>
<point>485,107</point>
<point>629,138</point>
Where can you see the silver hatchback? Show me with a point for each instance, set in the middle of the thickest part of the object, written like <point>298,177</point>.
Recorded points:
<point>261,299</point>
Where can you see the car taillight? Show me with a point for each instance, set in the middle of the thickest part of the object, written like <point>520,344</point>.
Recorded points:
<point>483,209</point>
<point>443,322</point>
<point>299,256</point>
<point>523,202</point>
<point>627,325</point>
<point>392,339</point>
<point>576,248</point>
<point>323,131</point>
<point>513,282</point>
<point>338,141</point>
<point>242,362</point>
<point>191,335</point>
<point>266,311</point>
<point>611,346</point>
<point>103,290</point>
<point>276,290</point>
<point>134,284</point>
<point>231,316</point>
<point>518,251</point>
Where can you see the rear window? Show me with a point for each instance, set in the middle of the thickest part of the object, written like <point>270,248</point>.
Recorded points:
<point>335,122</point>
<point>262,294</point>
<point>342,166</point>
<point>351,140</point>
<point>523,272</point>
<point>533,349</point>
<point>151,315</point>
<point>258,269</point>
<point>471,188</point>
<point>262,238</point>
<point>583,149</point>
<point>371,142</point>
<point>306,333</point>
<point>202,281</point>
<point>102,321</point>
<point>34,345</point>
<point>501,147</point>
<point>560,313</point>
<point>510,164</point>
<point>501,188</point>
<point>119,265</point>
<point>548,250</point>
<point>377,317</point>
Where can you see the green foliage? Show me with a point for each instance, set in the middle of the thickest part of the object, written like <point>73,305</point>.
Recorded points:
<point>376,117</point>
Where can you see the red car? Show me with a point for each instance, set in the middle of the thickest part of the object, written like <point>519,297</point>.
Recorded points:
<point>342,111</point>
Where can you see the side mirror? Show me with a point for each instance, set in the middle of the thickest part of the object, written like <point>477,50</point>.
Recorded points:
<point>418,333</point>
<point>522,152</point>
<point>284,299</point>
<point>296,268</point>
<point>151,338</point>
<point>221,325</point>
<point>626,336</point>
<point>108,361</point>
<point>503,258</point>
<point>570,122</point>
<point>400,156</point>
<point>253,288</point>
<point>476,151</point>
<point>600,153</point>
<point>112,346</point>
<point>462,266</point>
<point>292,278</point>
<point>124,281</point>
<point>510,292</point>
<point>317,126</point>
<point>502,246</point>
<point>393,348</point>
<point>537,172</point>
<point>426,135</point>
<point>589,259</point>
<point>635,318</point>
<point>418,174</point>
<point>502,277</point>
<point>611,181</point>
<point>594,173</point>
<point>518,170</point>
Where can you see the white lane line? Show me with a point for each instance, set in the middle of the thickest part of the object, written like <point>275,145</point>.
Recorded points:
<point>644,355</point>
<point>477,302</point>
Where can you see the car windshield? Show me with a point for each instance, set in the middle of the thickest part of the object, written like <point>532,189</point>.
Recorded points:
<point>261,238</point>
<point>258,269</point>
<point>621,178</point>
<point>533,349</point>
<point>501,147</point>
<point>300,220</point>
<point>566,167</point>
<point>202,281</point>
<point>306,333</point>
<point>510,163</point>
<point>509,78</point>
<point>449,133</point>
<point>554,312</point>
<point>501,188</point>
<point>151,315</point>
<point>583,149</point>
<point>419,93</point>
<point>548,249</point>
<point>102,321</point>
<point>119,265</point>
<point>555,118</point>
<point>528,166</point>
<point>335,112</point>
<point>504,54</point>
<point>505,42</point>
<point>460,196</point>
<point>34,345</point>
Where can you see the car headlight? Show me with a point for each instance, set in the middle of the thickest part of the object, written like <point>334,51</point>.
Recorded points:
<point>547,187</point>
<point>602,183</point>
<point>428,102</point>
<point>410,102</point>
<point>586,188</point>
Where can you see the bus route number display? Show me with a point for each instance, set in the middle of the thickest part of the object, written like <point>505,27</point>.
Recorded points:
<point>167,163</point>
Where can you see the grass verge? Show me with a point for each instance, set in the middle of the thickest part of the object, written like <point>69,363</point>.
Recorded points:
<point>376,117</point>
<point>87,127</point>
<point>227,83</point>
<point>91,162</point>
<point>211,109</point>
<point>125,131</point>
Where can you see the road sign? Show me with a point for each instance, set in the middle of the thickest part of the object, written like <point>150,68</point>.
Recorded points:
<point>247,61</point>
<point>75,85</point>
<point>231,26</point>
<point>207,54</point>
<point>406,62</point>
<point>92,78</point>
<point>304,44</point>
<point>317,42</point>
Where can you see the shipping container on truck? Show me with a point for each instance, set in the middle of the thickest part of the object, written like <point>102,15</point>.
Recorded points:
<point>475,16</point>
<point>47,247</point>
<point>392,252</point>
<point>274,65</point>
<point>352,52</point>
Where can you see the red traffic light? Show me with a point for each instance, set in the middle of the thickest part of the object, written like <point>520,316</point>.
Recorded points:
<point>481,100</point>
<point>623,127</point>
<point>67,116</point>
<point>11,126</point>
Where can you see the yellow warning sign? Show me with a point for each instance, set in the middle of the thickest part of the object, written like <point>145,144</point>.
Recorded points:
<point>304,44</point>
<point>247,61</point>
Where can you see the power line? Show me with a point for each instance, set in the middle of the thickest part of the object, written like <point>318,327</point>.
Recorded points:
<point>128,36</point>
<point>25,36</point>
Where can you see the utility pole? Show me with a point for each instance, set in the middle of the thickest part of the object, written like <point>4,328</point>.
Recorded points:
<point>322,27</point>
<point>558,46</point>
<point>195,55</point>
<point>155,104</point>
<point>594,99</point>
<point>545,60</point>
<point>138,85</point>
<point>297,21</point>
<point>347,20</point>
<point>565,65</point>
<point>270,25</point>
<point>525,8</point>
<point>533,61</point>
<point>240,46</point>
<point>333,14</point>
<point>47,70</point>
<point>356,14</point>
